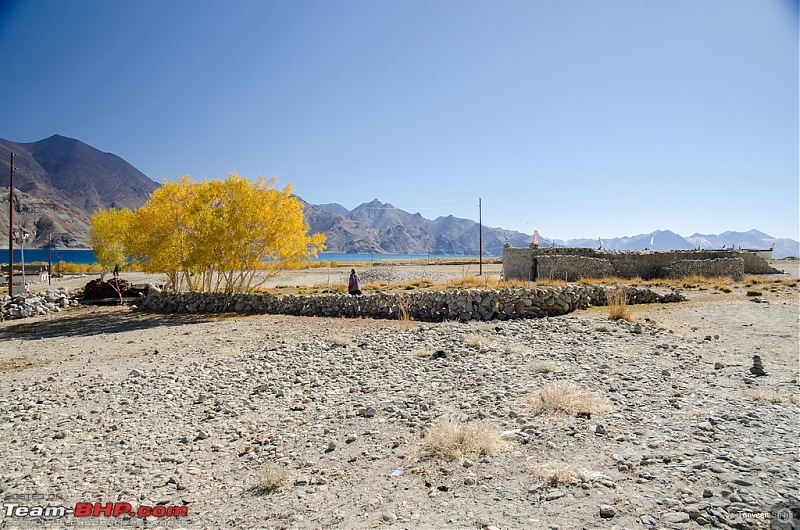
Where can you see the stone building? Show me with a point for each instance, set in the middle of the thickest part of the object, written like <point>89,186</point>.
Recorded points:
<point>571,264</point>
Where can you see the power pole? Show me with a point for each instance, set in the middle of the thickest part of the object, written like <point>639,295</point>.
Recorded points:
<point>480,239</point>
<point>11,226</point>
<point>49,262</point>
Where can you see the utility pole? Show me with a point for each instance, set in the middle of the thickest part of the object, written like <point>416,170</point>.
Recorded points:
<point>480,239</point>
<point>49,262</point>
<point>11,226</point>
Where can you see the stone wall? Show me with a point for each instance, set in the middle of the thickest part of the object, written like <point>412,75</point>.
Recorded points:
<point>733,267</point>
<point>574,263</point>
<point>755,264</point>
<point>571,268</point>
<point>476,304</point>
<point>517,263</point>
<point>34,304</point>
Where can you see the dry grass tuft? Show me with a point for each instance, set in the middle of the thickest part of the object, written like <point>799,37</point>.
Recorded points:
<point>404,313</point>
<point>750,280</point>
<point>415,284</point>
<point>556,472</point>
<point>272,478</point>
<point>722,283</point>
<point>340,340</point>
<point>753,292</point>
<point>543,367</point>
<point>611,280</point>
<point>772,397</point>
<point>20,363</point>
<point>550,282</point>
<point>423,352</point>
<point>693,280</point>
<point>517,348</point>
<point>375,286</point>
<point>513,283</point>
<point>566,397</point>
<point>453,440</point>
<point>618,303</point>
<point>476,341</point>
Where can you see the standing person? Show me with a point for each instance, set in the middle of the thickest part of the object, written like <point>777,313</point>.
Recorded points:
<point>354,285</point>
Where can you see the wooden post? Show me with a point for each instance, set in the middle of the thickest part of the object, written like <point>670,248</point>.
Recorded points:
<point>49,262</point>
<point>480,239</point>
<point>11,226</point>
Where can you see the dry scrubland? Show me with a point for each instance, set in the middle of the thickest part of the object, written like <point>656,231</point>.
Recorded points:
<point>289,422</point>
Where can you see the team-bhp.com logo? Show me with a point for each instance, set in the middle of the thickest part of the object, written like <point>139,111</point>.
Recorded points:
<point>91,509</point>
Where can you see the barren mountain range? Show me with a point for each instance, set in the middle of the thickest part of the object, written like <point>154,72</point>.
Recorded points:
<point>60,182</point>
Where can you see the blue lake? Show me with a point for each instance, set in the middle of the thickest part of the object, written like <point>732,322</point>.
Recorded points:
<point>87,256</point>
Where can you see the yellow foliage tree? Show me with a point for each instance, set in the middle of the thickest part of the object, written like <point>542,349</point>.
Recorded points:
<point>107,232</point>
<point>221,235</point>
<point>158,234</point>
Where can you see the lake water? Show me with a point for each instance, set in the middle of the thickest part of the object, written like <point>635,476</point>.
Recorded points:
<point>87,256</point>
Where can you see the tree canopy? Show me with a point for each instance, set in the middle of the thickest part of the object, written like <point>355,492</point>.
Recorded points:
<point>228,235</point>
<point>106,237</point>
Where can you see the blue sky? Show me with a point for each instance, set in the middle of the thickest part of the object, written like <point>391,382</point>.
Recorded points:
<point>578,118</point>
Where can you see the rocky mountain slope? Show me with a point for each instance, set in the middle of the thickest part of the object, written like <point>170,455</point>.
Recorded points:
<point>60,182</point>
<point>381,228</point>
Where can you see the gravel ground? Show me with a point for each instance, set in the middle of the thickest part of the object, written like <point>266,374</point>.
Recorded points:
<point>104,405</point>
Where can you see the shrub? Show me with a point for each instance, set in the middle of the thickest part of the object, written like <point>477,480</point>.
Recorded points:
<point>753,292</point>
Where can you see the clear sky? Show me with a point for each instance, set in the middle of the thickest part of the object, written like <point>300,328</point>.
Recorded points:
<point>578,118</point>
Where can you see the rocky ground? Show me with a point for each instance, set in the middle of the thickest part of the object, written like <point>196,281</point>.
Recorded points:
<point>102,404</point>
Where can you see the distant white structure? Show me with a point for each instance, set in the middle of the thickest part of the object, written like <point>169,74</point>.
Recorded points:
<point>763,254</point>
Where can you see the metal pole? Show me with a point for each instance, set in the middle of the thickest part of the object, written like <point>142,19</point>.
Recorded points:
<point>480,239</point>
<point>11,226</point>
